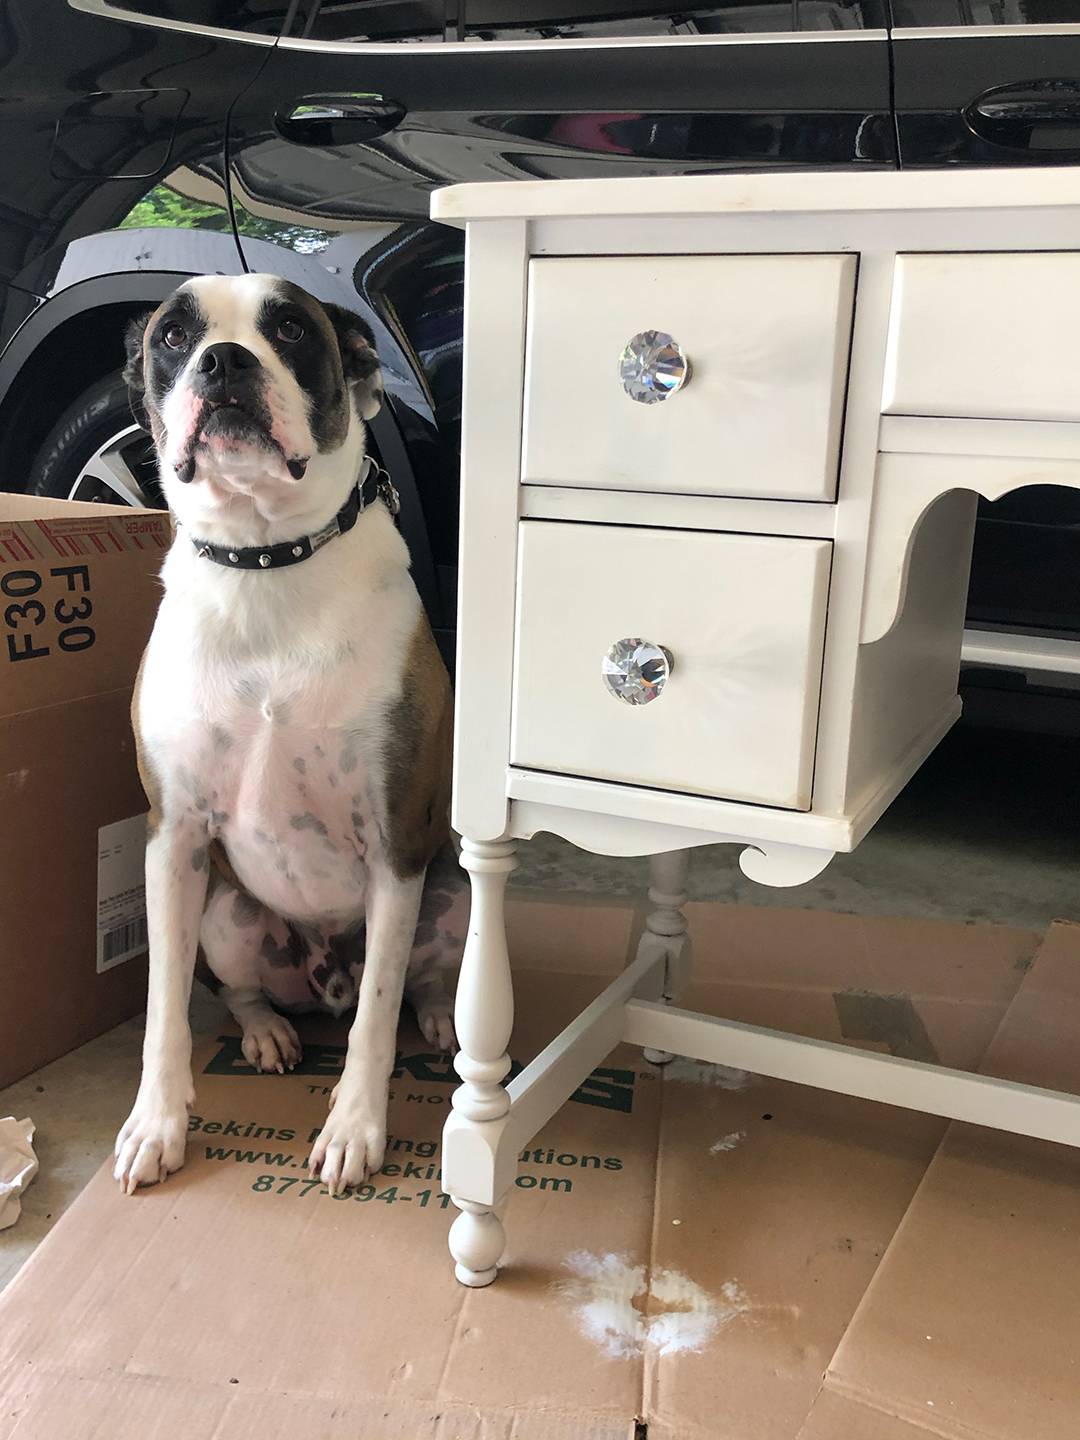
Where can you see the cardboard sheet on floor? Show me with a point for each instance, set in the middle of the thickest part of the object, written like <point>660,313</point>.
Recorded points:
<point>807,1187</point>
<point>970,1326</point>
<point>686,1246</point>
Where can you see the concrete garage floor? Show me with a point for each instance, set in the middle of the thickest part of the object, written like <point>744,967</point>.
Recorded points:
<point>986,833</point>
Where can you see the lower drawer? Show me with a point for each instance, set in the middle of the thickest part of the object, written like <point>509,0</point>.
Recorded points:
<point>743,620</point>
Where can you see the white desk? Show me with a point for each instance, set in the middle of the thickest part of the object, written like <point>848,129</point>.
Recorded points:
<point>855,358</point>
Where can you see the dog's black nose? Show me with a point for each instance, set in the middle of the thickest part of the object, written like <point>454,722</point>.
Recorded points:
<point>223,368</point>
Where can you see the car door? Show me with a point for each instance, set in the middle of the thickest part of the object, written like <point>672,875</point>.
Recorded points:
<point>987,82</point>
<point>363,109</point>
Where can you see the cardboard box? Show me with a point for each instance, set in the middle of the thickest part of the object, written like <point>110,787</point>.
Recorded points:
<point>78,594</point>
<point>687,1245</point>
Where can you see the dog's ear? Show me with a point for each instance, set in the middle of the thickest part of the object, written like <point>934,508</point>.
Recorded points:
<point>133,346</point>
<point>359,361</point>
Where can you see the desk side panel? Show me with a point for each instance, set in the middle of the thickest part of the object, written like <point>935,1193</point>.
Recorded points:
<point>495,271</point>
<point>904,680</point>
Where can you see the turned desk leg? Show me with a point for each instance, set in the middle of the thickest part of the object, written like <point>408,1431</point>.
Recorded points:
<point>483,1018</point>
<point>666,929</point>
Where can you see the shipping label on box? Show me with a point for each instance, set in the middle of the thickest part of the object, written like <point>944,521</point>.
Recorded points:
<point>121,892</point>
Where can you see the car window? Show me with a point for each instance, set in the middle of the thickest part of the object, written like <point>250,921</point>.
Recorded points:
<point>494,21</point>
<point>249,17</point>
<point>555,20</point>
<point>949,13</point>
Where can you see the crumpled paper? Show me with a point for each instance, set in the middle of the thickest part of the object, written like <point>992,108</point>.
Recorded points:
<point>18,1166</point>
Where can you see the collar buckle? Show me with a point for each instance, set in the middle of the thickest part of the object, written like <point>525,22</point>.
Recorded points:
<point>386,490</point>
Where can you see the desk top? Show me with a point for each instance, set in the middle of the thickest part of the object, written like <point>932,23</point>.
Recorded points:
<point>1054,188</point>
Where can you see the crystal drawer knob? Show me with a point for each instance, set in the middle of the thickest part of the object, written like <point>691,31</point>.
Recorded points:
<point>652,367</point>
<point>635,670</point>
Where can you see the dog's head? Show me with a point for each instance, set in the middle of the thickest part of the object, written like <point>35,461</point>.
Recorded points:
<point>254,388</point>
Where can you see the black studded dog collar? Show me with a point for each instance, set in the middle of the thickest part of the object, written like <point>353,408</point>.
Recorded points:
<point>372,484</point>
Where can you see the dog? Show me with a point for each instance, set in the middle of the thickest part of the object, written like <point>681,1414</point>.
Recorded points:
<point>292,717</point>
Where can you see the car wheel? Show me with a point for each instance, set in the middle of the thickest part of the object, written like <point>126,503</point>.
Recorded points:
<point>98,451</point>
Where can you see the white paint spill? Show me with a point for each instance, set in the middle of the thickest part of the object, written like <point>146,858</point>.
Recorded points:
<point>700,1072</point>
<point>604,1288</point>
<point>728,1142</point>
<point>603,1293</point>
<point>696,1315</point>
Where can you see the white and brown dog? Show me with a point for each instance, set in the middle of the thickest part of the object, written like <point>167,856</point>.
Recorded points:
<point>292,716</point>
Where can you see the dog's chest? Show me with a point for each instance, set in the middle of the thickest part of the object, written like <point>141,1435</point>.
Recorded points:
<point>263,714</point>
<point>282,761</point>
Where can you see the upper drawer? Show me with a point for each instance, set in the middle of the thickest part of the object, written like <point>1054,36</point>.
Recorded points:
<point>985,336</point>
<point>767,337</point>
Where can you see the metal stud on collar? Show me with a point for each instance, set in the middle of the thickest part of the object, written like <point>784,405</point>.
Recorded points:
<point>265,560</point>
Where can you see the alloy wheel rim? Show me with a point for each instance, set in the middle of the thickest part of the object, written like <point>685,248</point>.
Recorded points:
<point>121,472</point>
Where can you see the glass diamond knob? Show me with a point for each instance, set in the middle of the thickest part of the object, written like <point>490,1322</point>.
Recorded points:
<point>653,366</point>
<point>635,670</point>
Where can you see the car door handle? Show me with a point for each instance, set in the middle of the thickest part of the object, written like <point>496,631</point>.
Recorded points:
<point>1009,114</point>
<point>342,119</point>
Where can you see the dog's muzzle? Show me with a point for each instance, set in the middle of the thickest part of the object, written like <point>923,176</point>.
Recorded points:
<point>228,385</point>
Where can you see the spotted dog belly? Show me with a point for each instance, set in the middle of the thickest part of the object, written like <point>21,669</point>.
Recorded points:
<point>296,832</point>
<point>299,829</point>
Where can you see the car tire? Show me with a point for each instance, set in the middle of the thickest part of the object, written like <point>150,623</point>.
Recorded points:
<point>99,451</point>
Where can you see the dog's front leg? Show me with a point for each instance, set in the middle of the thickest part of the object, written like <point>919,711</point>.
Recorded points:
<point>151,1144</point>
<point>353,1140</point>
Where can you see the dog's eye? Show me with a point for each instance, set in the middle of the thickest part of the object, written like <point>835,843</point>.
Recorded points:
<point>290,331</point>
<point>174,336</point>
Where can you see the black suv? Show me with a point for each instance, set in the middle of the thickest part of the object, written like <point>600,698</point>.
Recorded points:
<point>146,140</point>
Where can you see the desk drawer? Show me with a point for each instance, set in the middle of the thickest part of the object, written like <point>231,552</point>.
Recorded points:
<point>767,338</point>
<point>743,617</point>
<point>985,336</point>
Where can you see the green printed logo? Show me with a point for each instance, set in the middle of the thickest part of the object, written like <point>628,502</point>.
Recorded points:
<point>318,1060</point>
<point>607,1088</point>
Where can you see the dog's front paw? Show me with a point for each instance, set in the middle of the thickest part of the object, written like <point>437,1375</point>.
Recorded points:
<point>150,1145</point>
<point>270,1043</point>
<point>352,1143</point>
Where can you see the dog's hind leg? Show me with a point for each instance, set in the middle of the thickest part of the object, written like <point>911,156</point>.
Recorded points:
<point>237,935</point>
<point>437,945</point>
